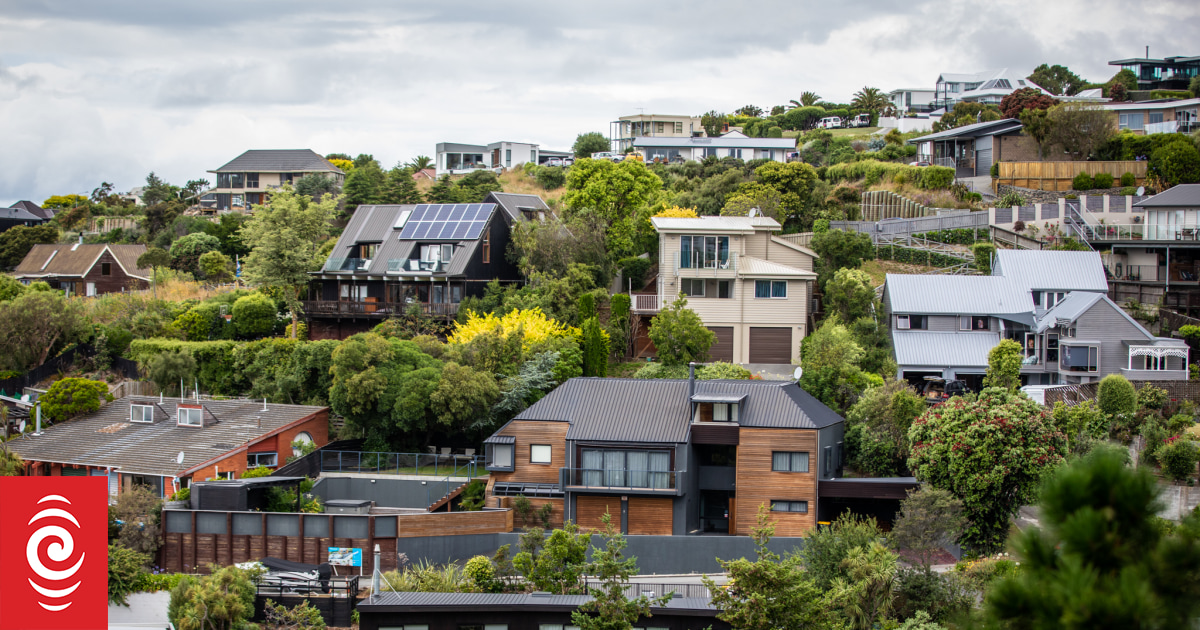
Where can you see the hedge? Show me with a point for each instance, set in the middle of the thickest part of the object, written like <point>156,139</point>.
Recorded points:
<point>916,256</point>
<point>955,236</point>
<point>214,361</point>
<point>874,171</point>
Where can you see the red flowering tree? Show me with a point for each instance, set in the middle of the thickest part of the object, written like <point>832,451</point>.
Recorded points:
<point>1025,98</point>
<point>991,451</point>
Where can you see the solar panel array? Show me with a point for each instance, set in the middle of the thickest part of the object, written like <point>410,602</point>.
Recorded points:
<point>447,221</point>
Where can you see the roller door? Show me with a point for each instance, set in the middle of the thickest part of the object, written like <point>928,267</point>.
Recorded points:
<point>722,348</point>
<point>983,162</point>
<point>771,345</point>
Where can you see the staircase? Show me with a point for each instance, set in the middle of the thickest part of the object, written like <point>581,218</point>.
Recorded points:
<point>444,502</point>
<point>908,241</point>
<point>1012,240</point>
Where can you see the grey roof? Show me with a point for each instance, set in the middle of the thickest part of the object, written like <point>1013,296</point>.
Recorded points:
<point>1186,195</point>
<point>975,130</point>
<point>279,161</point>
<point>1036,270</point>
<point>107,438</point>
<point>658,410</point>
<point>513,203</point>
<point>34,209</point>
<point>19,214</point>
<point>941,349</point>
<point>956,295</point>
<point>451,602</point>
<point>1076,304</point>
<point>376,223</point>
<point>710,223</point>
<point>501,439</point>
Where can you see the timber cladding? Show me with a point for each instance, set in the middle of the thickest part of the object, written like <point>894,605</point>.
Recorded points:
<point>652,516</point>
<point>757,484</point>
<point>528,433</point>
<point>589,510</point>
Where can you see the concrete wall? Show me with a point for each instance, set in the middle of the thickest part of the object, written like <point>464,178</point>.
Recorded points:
<point>397,493</point>
<point>144,609</point>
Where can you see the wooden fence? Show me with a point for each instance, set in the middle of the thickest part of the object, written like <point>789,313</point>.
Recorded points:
<point>1057,176</point>
<point>885,204</point>
<point>803,239</point>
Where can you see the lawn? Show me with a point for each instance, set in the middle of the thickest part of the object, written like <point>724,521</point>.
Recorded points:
<point>864,132</point>
<point>878,269</point>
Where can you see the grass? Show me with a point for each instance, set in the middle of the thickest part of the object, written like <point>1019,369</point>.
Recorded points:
<point>625,369</point>
<point>864,132</point>
<point>878,269</point>
<point>514,181</point>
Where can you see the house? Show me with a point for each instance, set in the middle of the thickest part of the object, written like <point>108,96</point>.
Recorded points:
<point>452,158</point>
<point>16,215</point>
<point>167,443</point>
<point>915,100</point>
<point>1171,73</point>
<point>988,87</point>
<point>624,130</point>
<point>429,174</point>
<point>391,258</point>
<point>971,149</point>
<point>733,144</point>
<point>248,179</point>
<point>80,269</point>
<point>748,285</point>
<point>1164,116</point>
<point>1053,303</point>
<point>516,611</point>
<point>35,210</point>
<point>671,456</point>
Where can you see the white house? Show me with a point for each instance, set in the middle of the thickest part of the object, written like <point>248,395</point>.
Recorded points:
<point>458,159</point>
<point>916,100</point>
<point>987,87</point>
<point>733,144</point>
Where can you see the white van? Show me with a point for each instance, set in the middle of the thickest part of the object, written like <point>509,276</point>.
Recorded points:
<point>1037,392</point>
<point>830,122</point>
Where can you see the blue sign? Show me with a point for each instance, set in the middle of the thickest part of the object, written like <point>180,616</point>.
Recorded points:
<point>345,556</point>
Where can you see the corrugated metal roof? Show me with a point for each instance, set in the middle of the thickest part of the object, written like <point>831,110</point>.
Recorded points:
<point>989,128</point>
<point>775,404</point>
<point>752,267</point>
<point>956,295</point>
<point>512,203</point>
<point>376,223</point>
<point>501,439</point>
<point>943,349</point>
<point>1183,195</point>
<point>1044,270</point>
<point>388,600</point>
<point>278,161</point>
<point>723,224</point>
<point>107,437</point>
<point>1076,303</point>
<point>462,257</point>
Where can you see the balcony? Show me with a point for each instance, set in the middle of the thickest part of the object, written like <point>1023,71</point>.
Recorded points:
<point>1168,362</point>
<point>380,310</point>
<point>347,264</point>
<point>415,265</point>
<point>626,481</point>
<point>646,303</point>
<point>699,266</point>
<point>1155,375</point>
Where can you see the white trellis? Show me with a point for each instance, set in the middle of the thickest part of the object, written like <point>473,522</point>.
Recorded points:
<point>1160,354</point>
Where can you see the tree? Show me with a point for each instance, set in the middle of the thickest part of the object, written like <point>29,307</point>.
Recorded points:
<point>70,397</point>
<point>383,387</point>
<point>154,259</point>
<point>869,99</point>
<point>1079,128</point>
<point>1025,98</point>
<point>990,450</point>
<point>138,508</point>
<point>285,236</point>
<point>865,594</point>
<point>157,190</point>
<point>10,288</point>
<point>64,201</point>
<point>753,111</point>
<point>840,249</point>
<point>316,185</point>
<point>168,369</point>
<point>15,242</point>
<point>1124,78</point>
<point>794,181</point>
<point>1194,87</point>
<point>556,564</point>
<point>400,187</point>
<point>612,191</point>
<point>1116,395</point>
<point>1056,79</point>
<point>1004,366</point>
<point>420,163</point>
<point>302,617</point>
<point>1175,163</point>
<point>807,99</point>
<point>1099,557</point>
<point>609,608</point>
<point>364,185</point>
<point>595,346</point>
<point>679,335</point>
<point>254,315</point>
<point>464,398</point>
<point>216,267</point>
<point>588,143</point>
<point>877,428</point>
<point>830,357</point>
<point>36,324</point>
<point>826,548</point>
<point>11,464</point>
<point>929,518</point>
<point>713,123</point>
<point>753,195</point>
<point>125,569</point>
<point>222,600</point>
<point>850,294</point>
<point>187,250</point>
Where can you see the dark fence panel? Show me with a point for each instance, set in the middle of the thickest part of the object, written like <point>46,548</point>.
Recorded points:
<point>51,367</point>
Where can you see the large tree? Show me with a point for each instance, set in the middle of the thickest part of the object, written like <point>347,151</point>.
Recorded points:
<point>384,387</point>
<point>15,242</point>
<point>1079,128</point>
<point>870,99</point>
<point>285,237</point>
<point>364,185</point>
<point>794,181</point>
<point>400,187</point>
<point>840,249</point>
<point>1058,80</point>
<point>1013,104</point>
<point>36,324</point>
<point>679,335</point>
<point>588,143</point>
<point>850,294</point>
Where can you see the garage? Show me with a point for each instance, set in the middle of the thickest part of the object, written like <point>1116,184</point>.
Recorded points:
<point>771,345</point>
<point>722,349</point>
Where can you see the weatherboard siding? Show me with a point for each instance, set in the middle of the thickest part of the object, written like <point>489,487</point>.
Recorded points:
<point>1104,324</point>
<point>785,255</point>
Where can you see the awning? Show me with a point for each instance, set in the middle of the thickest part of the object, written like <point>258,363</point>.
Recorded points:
<point>501,439</point>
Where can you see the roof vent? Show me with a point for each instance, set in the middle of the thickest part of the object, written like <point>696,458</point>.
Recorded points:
<point>540,594</point>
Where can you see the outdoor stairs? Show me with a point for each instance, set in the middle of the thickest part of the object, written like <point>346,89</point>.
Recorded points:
<point>444,502</point>
<point>909,241</point>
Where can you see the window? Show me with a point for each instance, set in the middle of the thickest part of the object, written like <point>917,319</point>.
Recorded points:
<point>141,413</point>
<point>710,152</point>
<point>237,180</point>
<point>679,128</point>
<point>270,460</point>
<point>106,269</point>
<point>725,412</point>
<point>502,456</point>
<point>724,289</point>
<point>1154,117</point>
<point>1130,121</point>
<point>735,153</point>
<point>704,252</point>
<point>238,201</point>
<point>487,248</point>
<point>251,180</point>
<point>974,322</point>
<point>1052,298</point>
<point>691,287</point>
<point>800,507</point>
<point>367,251</point>
<point>508,157</point>
<point>659,127</point>
<point>539,454</point>
<point>912,322</point>
<point>191,417</point>
<point>1080,358</point>
<point>403,218</point>
<point>626,469</point>
<point>902,322</point>
<point>770,288</point>
<point>223,180</point>
<point>784,461</point>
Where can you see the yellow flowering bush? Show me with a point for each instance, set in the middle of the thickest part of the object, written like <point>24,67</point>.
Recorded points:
<point>677,212</point>
<point>536,325</point>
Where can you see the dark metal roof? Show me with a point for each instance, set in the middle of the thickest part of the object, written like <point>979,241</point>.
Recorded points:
<point>20,214</point>
<point>388,602</point>
<point>775,404</point>
<point>513,203</point>
<point>501,439</point>
<point>990,128</point>
<point>1181,195</point>
<point>867,487</point>
<point>279,161</point>
<point>34,209</point>
<point>376,223</point>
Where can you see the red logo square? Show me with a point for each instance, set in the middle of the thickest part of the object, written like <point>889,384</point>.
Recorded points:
<point>54,553</point>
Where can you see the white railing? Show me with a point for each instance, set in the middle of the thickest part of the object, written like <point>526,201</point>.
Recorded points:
<point>1139,231</point>
<point>1170,126</point>
<point>698,266</point>
<point>646,303</point>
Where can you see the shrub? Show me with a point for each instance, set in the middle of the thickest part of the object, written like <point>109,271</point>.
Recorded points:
<point>658,370</point>
<point>124,570</point>
<point>874,171</point>
<point>1178,458</point>
<point>254,315</point>
<point>70,397</point>
<point>1082,181</point>
<point>722,370</point>
<point>1102,181</point>
<point>1116,395</point>
<point>479,569</point>
<point>1151,397</point>
<point>1010,199</point>
<point>995,170</point>
<point>1127,179</point>
<point>1176,163</point>
<point>1019,226</point>
<point>551,177</point>
<point>1129,191</point>
<point>182,494</point>
<point>633,270</point>
<point>916,256</point>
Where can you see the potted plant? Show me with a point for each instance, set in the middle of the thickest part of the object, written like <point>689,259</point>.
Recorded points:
<point>181,500</point>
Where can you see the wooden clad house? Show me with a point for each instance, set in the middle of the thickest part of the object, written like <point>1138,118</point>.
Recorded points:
<point>80,269</point>
<point>670,457</point>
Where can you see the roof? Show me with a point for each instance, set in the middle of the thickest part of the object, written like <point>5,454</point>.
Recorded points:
<point>107,438</point>
<point>658,410</point>
<point>279,161</point>
<point>1166,104</point>
<point>755,267</point>
<point>513,204</point>
<point>1035,270</point>
<point>956,295</point>
<point>1185,195</point>
<point>1076,303</point>
<point>979,129</point>
<point>736,141</point>
<point>35,210</point>
<point>454,602</point>
<point>74,259</point>
<point>715,224</point>
<point>376,223</point>
<point>939,349</point>
<point>19,214</point>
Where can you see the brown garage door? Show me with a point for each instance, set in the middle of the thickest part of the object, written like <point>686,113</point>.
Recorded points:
<point>770,345</point>
<point>722,349</point>
<point>589,510</point>
<point>650,516</point>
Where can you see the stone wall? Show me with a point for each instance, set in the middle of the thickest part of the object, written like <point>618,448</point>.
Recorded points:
<point>1051,196</point>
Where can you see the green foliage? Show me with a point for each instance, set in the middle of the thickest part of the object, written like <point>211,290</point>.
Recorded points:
<point>849,294</point>
<point>1098,557</point>
<point>551,177</point>
<point>588,143</point>
<point>139,508</point>
<point>556,564</point>
<point>383,386</point>
<point>1102,181</point>
<point>463,398</point>
<point>840,249</point>
<point>830,357</point>
<point>16,242</point>
<point>400,187</point>
<point>37,325</point>
<point>182,494</point>
<point>223,600</point>
<point>70,397</point>
<point>864,596</point>
<point>1081,424</point>
<point>955,236</point>
<point>595,345</point>
<point>658,370</point>
<point>481,573</point>
<point>793,182</point>
<point>1012,198</point>
<point>280,617</point>
<point>1116,395</point>
<point>168,369</point>
<point>679,335</point>
<point>720,370</point>
<point>187,250</point>
<point>991,451</point>
<point>609,608</point>
<point>364,185</point>
<point>873,171</point>
<point>1175,163</point>
<point>215,266</point>
<point>925,597</point>
<point>1151,397</point>
<point>257,471</point>
<point>825,548</point>
<point>1004,366</point>
<point>984,252</point>
<point>1083,181</point>
<point>1057,80</point>
<point>633,270</point>
<point>1178,458</point>
<point>877,428</point>
<point>425,577</point>
<point>929,518</point>
<point>254,315</point>
<point>473,496</point>
<point>620,323</point>
<point>1017,101</point>
<point>916,256</point>
<point>124,572</point>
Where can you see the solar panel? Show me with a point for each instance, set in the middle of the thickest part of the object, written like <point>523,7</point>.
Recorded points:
<point>461,229</point>
<point>443,213</point>
<point>447,221</point>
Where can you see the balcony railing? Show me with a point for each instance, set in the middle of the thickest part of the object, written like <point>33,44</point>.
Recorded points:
<point>376,309</point>
<point>347,264</point>
<point>416,464</point>
<point>646,303</point>
<point>1134,273</point>
<point>1139,232</point>
<point>416,265</point>
<point>633,480</point>
<point>698,266</point>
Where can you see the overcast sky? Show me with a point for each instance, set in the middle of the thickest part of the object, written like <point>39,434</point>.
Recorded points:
<point>108,90</point>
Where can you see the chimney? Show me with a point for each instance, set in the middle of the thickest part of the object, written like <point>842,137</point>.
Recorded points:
<point>691,380</point>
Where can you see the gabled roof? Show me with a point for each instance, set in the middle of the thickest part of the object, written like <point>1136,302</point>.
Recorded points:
<point>976,130</point>
<point>279,161</point>
<point>108,438</point>
<point>1076,303</point>
<point>956,295</point>
<point>73,259</point>
<point>19,214</point>
<point>34,209</point>
<point>1183,195</point>
<point>743,225</point>
<point>513,204</point>
<point>757,268</point>
<point>377,223</point>
<point>941,349</point>
<point>1044,270</point>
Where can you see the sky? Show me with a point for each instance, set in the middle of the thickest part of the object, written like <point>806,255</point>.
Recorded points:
<point>98,91</point>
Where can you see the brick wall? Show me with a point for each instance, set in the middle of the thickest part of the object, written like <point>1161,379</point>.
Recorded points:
<point>1025,149</point>
<point>317,427</point>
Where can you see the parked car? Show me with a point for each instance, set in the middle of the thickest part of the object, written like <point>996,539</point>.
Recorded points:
<point>938,389</point>
<point>830,122</point>
<point>553,162</point>
<point>604,155</point>
<point>919,163</point>
<point>861,120</point>
<point>617,157</point>
<point>567,161</point>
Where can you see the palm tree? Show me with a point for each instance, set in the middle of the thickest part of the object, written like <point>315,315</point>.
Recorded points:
<point>807,99</point>
<point>869,99</point>
<point>421,162</point>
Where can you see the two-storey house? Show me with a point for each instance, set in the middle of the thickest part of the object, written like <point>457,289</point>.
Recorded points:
<point>671,457</point>
<point>734,144</point>
<point>748,285</point>
<point>248,179</point>
<point>624,130</point>
<point>79,269</point>
<point>391,259</point>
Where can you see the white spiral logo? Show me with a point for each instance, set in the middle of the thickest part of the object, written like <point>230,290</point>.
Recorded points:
<point>59,551</point>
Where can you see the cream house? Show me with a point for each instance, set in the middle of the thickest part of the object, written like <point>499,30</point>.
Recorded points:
<point>747,284</point>
<point>249,178</point>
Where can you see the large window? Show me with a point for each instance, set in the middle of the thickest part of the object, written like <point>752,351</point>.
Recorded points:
<point>725,412</point>
<point>1080,358</point>
<point>502,456</point>
<point>270,460</point>
<point>251,180</point>
<point>626,469</point>
<point>704,252</point>
<point>691,287</point>
<point>770,288</point>
<point>191,417</point>
<point>800,507</point>
<point>974,322</point>
<point>1130,121</point>
<point>539,453</point>
<point>141,413</point>
<point>912,322</point>
<point>788,461</point>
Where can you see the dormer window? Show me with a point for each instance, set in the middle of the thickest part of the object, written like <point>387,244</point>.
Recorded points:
<point>723,412</point>
<point>191,417</point>
<point>141,413</point>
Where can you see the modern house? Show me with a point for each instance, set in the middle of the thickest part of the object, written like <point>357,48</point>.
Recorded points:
<point>391,258</point>
<point>915,100</point>
<point>748,285</point>
<point>624,130</point>
<point>249,178</point>
<point>679,457</point>
<point>164,444</point>
<point>988,87</point>
<point>1164,116</point>
<point>35,210</point>
<point>734,144</point>
<point>17,215</point>
<point>971,149</point>
<point>453,158</point>
<point>86,270</point>
<point>1053,303</point>
<point>1171,73</point>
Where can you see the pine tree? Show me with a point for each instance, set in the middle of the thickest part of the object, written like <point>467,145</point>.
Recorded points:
<point>444,191</point>
<point>400,187</point>
<point>595,348</point>
<point>609,608</point>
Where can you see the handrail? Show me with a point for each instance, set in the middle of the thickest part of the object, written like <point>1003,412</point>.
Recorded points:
<point>467,470</point>
<point>699,263</point>
<point>385,463</point>
<point>623,478</point>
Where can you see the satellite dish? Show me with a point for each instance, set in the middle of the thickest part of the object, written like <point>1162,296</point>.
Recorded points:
<point>179,458</point>
<point>1141,191</point>
<point>798,373</point>
<point>21,427</point>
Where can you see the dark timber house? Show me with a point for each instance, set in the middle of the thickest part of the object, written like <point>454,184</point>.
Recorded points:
<point>87,270</point>
<point>392,257</point>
